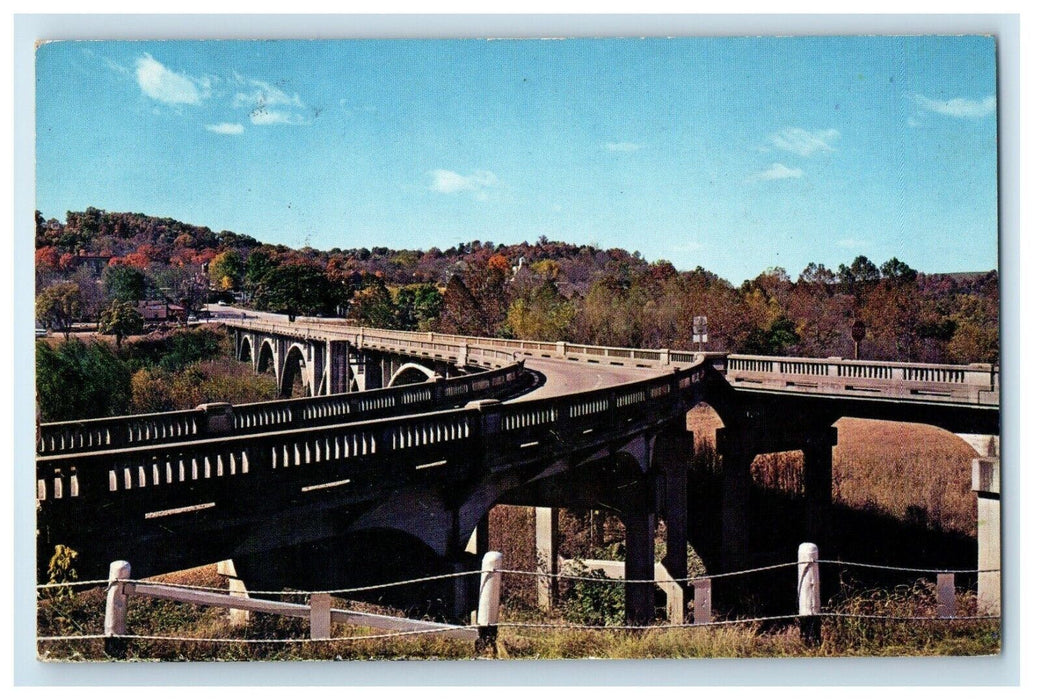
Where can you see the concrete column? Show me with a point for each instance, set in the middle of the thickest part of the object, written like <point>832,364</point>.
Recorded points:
<point>817,483</point>
<point>639,565</point>
<point>737,454</point>
<point>237,588</point>
<point>547,531</point>
<point>672,456</point>
<point>478,543</point>
<point>986,482</point>
<point>337,363</point>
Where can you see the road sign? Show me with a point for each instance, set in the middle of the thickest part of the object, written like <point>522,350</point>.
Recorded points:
<point>700,329</point>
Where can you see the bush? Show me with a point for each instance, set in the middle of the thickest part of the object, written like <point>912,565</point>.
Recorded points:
<point>77,381</point>
<point>597,602</point>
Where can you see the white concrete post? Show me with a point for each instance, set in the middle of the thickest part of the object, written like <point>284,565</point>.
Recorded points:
<point>702,600</point>
<point>488,601</point>
<point>546,550</point>
<point>809,593</point>
<point>321,606</point>
<point>116,609</point>
<point>945,595</point>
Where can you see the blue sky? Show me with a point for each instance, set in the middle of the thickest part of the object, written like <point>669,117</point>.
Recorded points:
<point>733,154</point>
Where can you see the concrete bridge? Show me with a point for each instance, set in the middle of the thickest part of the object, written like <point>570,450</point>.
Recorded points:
<point>298,491</point>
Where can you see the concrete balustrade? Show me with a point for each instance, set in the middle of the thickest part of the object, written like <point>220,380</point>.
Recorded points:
<point>973,384</point>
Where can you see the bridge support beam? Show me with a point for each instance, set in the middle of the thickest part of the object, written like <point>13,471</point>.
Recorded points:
<point>737,455</point>
<point>547,538</point>
<point>673,452</point>
<point>817,483</point>
<point>639,564</point>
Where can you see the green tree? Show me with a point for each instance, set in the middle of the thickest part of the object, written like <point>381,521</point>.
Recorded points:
<point>77,381</point>
<point>124,283</point>
<point>543,314</point>
<point>373,306</point>
<point>121,319</point>
<point>226,270</point>
<point>59,306</point>
<point>418,306</point>
<point>297,288</point>
<point>259,263</point>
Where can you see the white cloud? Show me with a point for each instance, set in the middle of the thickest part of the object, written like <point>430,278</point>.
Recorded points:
<point>777,171</point>
<point>269,104</point>
<point>265,94</point>
<point>802,142</point>
<point>622,147</point>
<point>958,106</point>
<point>226,128</point>
<point>451,182</point>
<point>264,117</point>
<point>160,83</point>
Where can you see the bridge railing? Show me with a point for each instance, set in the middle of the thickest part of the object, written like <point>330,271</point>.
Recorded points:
<point>357,459</point>
<point>479,350</point>
<point>974,384</point>
<point>219,419</point>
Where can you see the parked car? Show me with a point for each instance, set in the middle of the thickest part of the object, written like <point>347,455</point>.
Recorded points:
<point>40,332</point>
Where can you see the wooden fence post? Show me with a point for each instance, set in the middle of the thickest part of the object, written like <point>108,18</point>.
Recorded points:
<point>945,595</point>
<point>116,610</point>
<point>321,605</point>
<point>809,593</point>
<point>488,601</point>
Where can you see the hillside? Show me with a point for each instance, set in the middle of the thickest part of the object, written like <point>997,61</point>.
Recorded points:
<point>545,290</point>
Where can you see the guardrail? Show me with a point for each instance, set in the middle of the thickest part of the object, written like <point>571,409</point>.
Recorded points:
<point>211,420</point>
<point>356,459</point>
<point>450,346</point>
<point>973,384</point>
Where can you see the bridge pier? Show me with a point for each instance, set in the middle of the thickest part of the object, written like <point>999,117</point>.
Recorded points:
<point>986,482</point>
<point>547,538</point>
<point>817,483</point>
<point>639,564</point>
<point>737,456</point>
<point>672,456</point>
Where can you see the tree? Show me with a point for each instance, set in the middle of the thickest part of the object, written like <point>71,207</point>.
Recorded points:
<point>297,288</point>
<point>59,306</point>
<point>460,313</point>
<point>417,306</point>
<point>121,319</point>
<point>372,306</point>
<point>543,314</point>
<point>124,283</point>
<point>78,381</point>
<point>897,271</point>
<point>226,270</point>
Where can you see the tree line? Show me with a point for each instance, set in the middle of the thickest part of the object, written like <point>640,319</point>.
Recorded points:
<point>545,290</point>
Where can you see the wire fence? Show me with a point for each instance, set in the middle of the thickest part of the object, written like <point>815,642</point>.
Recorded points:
<point>146,588</point>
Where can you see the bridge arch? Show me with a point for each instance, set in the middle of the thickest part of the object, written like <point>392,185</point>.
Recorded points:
<point>411,373</point>
<point>245,352</point>
<point>266,357</point>
<point>293,366</point>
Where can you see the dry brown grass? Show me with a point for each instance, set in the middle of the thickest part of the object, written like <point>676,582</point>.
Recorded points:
<point>912,472</point>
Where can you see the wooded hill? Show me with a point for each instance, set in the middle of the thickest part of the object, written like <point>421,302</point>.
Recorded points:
<point>545,290</point>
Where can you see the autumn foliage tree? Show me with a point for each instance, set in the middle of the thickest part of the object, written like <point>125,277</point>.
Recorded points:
<point>59,306</point>
<point>120,319</point>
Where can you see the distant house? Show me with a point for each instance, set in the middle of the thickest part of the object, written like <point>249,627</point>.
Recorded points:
<point>153,310</point>
<point>96,263</point>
